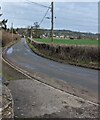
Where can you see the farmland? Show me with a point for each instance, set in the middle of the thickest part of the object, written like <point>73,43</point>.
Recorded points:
<point>69,41</point>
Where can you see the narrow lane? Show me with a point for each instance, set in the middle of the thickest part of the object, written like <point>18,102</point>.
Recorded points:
<point>21,55</point>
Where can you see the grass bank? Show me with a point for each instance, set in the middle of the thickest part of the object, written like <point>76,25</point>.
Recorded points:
<point>11,74</point>
<point>86,56</point>
<point>6,38</point>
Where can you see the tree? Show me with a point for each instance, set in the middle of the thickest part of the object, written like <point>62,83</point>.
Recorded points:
<point>3,24</point>
<point>37,31</point>
<point>29,31</point>
<point>0,12</point>
<point>36,25</point>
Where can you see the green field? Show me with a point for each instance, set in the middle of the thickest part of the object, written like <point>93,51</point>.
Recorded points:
<point>69,42</point>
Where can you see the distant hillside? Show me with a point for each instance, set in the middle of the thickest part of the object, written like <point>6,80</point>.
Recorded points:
<point>65,33</point>
<point>74,34</point>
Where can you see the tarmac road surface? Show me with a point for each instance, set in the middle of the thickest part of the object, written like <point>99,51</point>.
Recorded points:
<point>21,55</point>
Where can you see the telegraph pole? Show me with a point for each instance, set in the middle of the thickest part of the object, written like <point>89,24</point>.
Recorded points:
<point>31,32</point>
<point>12,30</point>
<point>52,20</point>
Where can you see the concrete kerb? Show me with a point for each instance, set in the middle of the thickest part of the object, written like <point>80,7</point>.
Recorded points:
<point>12,101</point>
<point>38,80</point>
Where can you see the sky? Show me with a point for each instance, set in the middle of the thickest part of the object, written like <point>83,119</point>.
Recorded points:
<point>76,16</point>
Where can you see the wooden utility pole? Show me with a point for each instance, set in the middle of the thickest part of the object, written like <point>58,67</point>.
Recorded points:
<point>52,20</point>
<point>12,30</point>
<point>31,32</point>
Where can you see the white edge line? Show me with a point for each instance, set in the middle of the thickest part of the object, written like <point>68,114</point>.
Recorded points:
<point>25,73</point>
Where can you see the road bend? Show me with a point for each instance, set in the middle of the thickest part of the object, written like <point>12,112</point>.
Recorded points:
<point>21,55</point>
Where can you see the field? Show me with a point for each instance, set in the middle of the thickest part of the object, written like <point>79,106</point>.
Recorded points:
<point>69,42</point>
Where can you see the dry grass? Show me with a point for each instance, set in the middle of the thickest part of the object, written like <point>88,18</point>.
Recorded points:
<point>6,37</point>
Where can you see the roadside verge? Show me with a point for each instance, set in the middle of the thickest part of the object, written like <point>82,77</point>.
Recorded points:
<point>78,55</point>
<point>62,86</point>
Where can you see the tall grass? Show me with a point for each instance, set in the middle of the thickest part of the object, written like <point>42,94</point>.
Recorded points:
<point>7,38</point>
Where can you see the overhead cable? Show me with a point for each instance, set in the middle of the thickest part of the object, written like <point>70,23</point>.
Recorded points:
<point>44,16</point>
<point>39,4</point>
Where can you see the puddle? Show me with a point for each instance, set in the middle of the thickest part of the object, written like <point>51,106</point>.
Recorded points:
<point>10,50</point>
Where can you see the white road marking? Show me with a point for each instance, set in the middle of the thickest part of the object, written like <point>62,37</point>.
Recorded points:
<point>26,74</point>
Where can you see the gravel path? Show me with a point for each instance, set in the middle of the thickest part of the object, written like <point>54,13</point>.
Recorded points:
<point>34,99</point>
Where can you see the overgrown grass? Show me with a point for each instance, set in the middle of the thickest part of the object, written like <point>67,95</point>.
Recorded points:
<point>69,42</point>
<point>7,76</point>
<point>7,38</point>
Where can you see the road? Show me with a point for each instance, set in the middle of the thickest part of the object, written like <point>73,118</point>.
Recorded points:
<point>21,55</point>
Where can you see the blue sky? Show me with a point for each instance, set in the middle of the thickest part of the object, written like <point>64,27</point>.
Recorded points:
<point>77,16</point>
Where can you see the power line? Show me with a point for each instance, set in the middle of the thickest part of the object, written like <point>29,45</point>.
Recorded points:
<point>39,4</point>
<point>44,16</point>
<point>27,19</point>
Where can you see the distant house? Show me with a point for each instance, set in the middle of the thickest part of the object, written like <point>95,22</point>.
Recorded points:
<point>54,35</point>
<point>71,37</point>
<point>62,36</point>
<point>97,39</point>
<point>57,36</point>
<point>67,37</point>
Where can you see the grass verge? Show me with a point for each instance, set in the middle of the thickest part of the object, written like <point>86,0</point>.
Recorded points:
<point>11,74</point>
<point>50,52</point>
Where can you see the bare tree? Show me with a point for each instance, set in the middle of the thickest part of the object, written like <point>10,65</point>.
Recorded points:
<point>37,31</point>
